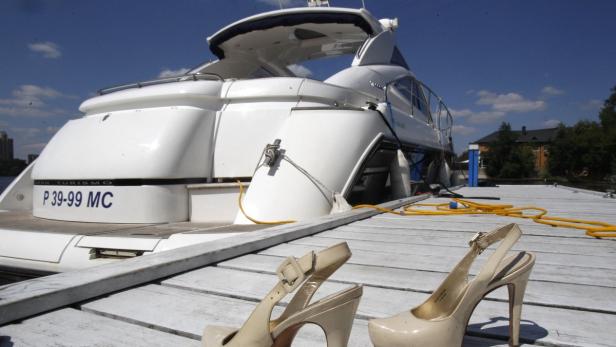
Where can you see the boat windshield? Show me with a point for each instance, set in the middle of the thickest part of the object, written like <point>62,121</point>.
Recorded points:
<point>268,44</point>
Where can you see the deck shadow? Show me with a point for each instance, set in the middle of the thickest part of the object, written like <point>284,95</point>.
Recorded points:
<point>5,341</point>
<point>529,330</point>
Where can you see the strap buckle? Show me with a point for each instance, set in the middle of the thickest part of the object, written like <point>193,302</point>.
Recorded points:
<point>476,240</point>
<point>291,274</point>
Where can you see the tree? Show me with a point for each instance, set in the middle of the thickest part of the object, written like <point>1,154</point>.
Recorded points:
<point>579,151</point>
<point>507,159</point>
<point>588,149</point>
<point>499,150</point>
<point>521,163</point>
<point>561,159</point>
<point>607,115</point>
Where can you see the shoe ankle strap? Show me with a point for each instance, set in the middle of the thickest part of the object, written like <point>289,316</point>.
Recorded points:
<point>482,240</point>
<point>325,263</point>
<point>292,272</point>
<point>309,272</point>
<point>508,235</point>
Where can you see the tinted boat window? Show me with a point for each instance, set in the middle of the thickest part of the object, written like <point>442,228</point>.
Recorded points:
<point>411,90</point>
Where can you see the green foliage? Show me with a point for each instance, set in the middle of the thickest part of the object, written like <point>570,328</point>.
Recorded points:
<point>521,163</point>
<point>506,159</point>
<point>608,122</point>
<point>588,149</point>
<point>608,112</point>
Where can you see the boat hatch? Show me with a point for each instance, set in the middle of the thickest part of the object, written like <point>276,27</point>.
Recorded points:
<point>289,38</point>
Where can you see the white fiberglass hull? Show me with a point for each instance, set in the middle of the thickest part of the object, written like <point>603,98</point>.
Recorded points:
<point>153,166</point>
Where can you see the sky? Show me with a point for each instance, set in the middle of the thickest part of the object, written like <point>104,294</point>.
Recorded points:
<point>532,63</point>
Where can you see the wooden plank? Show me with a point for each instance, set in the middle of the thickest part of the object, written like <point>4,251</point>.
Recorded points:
<point>464,229</point>
<point>455,223</point>
<point>188,313</point>
<point>539,191</point>
<point>27,298</point>
<point>572,211</point>
<point>580,190</point>
<point>416,237</point>
<point>70,327</point>
<point>551,325</point>
<point>588,209</point>
<point>563,273</point>
<point>537,195</point>
<point>459,250</point>
<point>553,294</point>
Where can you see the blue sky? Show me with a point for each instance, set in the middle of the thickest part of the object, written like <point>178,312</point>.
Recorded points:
<point>532,63</point>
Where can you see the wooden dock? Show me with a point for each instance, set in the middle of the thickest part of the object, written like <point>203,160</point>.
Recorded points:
<point>167,299</point>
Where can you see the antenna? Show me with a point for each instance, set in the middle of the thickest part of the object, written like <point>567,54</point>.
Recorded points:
<point>280,3</point>
<point>363,4</point>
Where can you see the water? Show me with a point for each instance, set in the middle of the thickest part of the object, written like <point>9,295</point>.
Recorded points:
<point>7,276</point>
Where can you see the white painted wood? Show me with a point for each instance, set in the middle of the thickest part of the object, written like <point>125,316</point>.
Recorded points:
<point>455,223</point>
<point>459,250</point>
<point>551,294</point>
<point>564,273</point>
<point>416,237</point>
<point>579,190</point>
<point>70,327</point>
<point>188,312</point>
<point>550,325</point>
<point>400,259</point>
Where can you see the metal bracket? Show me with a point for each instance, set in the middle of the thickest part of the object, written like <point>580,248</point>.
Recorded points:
<point>272,153</point>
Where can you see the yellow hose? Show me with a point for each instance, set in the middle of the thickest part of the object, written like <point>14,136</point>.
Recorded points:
<point>255,220</point>
<point>593,228</point>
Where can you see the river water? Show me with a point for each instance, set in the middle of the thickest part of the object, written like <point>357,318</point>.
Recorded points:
<point>7,277</point>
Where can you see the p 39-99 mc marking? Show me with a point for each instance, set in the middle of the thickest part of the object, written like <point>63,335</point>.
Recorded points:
<point>92,199</point>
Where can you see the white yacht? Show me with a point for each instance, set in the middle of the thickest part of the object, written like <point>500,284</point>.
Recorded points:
<point>157,165</point>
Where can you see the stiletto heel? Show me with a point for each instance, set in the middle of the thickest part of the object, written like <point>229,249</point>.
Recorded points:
<point>337,325</point>
<point>442,319</point>
<point>516,295</point>
<point>334,313</point>
<point>336,322</point>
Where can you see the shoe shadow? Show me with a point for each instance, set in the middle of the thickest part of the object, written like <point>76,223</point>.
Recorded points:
<point>498,328</point>
<point>5,341</point>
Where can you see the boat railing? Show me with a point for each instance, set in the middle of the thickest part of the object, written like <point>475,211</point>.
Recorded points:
<point>439,115</point>
<point>188,77</point>
<point>439,112</point>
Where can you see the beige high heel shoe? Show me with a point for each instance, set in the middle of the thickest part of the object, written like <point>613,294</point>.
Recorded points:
<point>334,313</point>
<point>442,319</point>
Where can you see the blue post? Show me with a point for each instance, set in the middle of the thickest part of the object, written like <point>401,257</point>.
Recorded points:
<point>417,159</point>
<point>473,165</point>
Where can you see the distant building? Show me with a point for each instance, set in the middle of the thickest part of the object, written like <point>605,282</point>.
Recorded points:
<point>537,139</point>
<point>31,158</point>
<point>6,147</point>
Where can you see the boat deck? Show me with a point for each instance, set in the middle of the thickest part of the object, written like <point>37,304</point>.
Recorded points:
<point>23,221</point>
<point>168,298</point>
